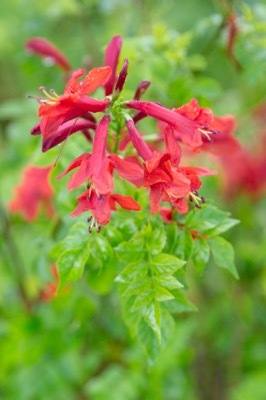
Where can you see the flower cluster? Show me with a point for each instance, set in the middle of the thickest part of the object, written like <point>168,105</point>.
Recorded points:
<point>116,144</point>
<point>32,193</point>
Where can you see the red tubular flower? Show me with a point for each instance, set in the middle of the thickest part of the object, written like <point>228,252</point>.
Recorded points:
<point>96,166</point>
<point>141,89</point>
<point>225,143</point>
<point>74,103</point>
<point>112,54</point>
<point>122,77</point>
<point>101,206</point>
<point>44,48</point>
<point>62,133</point>
<point>186,128</point>
<point>34,191</point>
<point>164,177</point>
<point>138,142</point>
<point>129,170</point>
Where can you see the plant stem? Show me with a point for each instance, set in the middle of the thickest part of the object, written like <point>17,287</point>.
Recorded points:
<point>15,258</point>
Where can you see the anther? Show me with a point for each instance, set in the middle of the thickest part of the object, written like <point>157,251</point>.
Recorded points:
<point>203,199</point>
<point>53,92</point>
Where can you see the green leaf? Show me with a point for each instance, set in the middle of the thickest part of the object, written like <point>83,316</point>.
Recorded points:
<point>166,264</point>
<point>156,241</point>
<point>129,252</point>
<point>137,287</point>
<point>162,294</point>
<point>101,249</point>
<point>72,253</point>
<point>180,303</point>
<point>149,340</point>
<point>143,300</point>
<point>183,244</point>
<point>223,226</point>
<point>152,315</point>
<point>168,282</point>
<point>223,254</point>
<point>77,237</point>
<point>207,218</point>
<point>132,272</point>
<point>71,265</point>
<point>201,254</point>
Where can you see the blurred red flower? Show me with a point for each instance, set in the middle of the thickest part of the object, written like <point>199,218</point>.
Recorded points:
<point>34,191</point>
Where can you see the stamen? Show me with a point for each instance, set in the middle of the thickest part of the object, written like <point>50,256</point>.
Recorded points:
<point>170,194</point>
<point>53,92</point>
<point>93,224</point>
<point>206,133</point>
<point>194,196</point>
<point>54,98</point>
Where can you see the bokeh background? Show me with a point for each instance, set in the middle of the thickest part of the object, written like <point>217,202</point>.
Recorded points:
<point>76,346</point>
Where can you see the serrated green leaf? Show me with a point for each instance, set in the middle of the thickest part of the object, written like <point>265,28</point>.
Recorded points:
<point>224,226</point>
<point>78,236</point>
<point>137,287</point>
<point>131,318</point>
<point>161,294</point>
<point>180,303</point>
<point>156,241</point>
<point>114,236</point>
<point>223,254</point>
<point>149,340</point>
<point>201,254</point>
<point>166,264</point>
<point>183,244</point>
<point>132,272</point>
<point>129,252</point>
<point>71,265</point>
<point>152,314</point>
<point>207,218</point>
<point>171,233</point>
<point>101,249</point>
<point>168,282</point>
<point>143,300</point>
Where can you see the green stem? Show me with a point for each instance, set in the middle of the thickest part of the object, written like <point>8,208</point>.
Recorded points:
<point>15,258</point>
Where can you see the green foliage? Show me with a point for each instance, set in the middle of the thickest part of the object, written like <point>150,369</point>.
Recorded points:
<point>138,280</point>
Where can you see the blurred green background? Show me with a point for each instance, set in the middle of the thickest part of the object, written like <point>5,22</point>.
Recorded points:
<point>76,346</point>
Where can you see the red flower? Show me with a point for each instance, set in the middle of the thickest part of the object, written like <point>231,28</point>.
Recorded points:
<point>74,103</point>
<point>63,132</point>
<point>129,170</point>
<point>188,130</point>
<point>112,54</point>
<point>96,166</point>
<point>34,191</point>
<point>244,172</point>
<point>45,49</point>
<point>101,206</point>
<point>163,176</point>
<point>225,143</point>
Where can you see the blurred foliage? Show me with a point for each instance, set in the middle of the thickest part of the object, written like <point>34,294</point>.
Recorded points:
<point>76,345</point>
